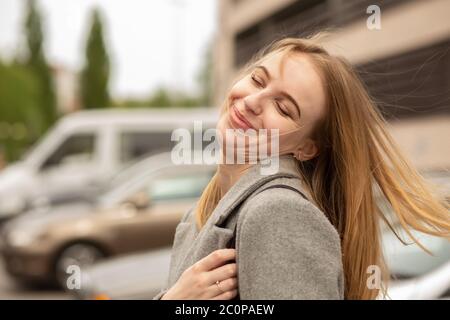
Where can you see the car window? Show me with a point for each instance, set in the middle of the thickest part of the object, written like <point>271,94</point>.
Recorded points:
<point>134,145</point>
<point>78,148</point>
<point>180,186</point>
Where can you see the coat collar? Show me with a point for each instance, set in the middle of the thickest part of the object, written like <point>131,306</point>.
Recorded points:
<point>250,181</point>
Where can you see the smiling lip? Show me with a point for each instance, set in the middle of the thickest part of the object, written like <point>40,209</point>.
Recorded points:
<point>241,118</point>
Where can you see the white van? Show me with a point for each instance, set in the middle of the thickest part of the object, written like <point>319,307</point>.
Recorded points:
<point>84,149</point>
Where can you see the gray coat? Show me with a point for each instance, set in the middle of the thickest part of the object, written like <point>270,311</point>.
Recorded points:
<point>286,247</point>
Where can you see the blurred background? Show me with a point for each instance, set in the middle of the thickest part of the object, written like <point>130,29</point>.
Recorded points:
<point>90,92</point>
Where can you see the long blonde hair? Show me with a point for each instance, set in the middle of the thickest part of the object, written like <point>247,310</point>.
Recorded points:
<point>357,157</point>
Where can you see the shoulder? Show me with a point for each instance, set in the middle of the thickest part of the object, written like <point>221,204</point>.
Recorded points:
<point>285,212</point>
<point>188,216</point>
<point>287,249</point>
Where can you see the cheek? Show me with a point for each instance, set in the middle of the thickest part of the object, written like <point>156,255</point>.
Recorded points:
<point>273,120</point>
<point>223,124</point>
<point>270,121</point>
<point>240,90</point>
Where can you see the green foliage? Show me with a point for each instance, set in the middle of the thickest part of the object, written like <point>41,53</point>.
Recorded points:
<point>34,35</point>
<point>95,74</point>
<point>162,98</point>
<point>36,63</point>
<point>27,99</point>
<point>205,77</point>
<point>21,122</point>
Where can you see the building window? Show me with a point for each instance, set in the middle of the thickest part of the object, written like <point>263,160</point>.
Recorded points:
<point>411,84</point>
<point>300,19</point>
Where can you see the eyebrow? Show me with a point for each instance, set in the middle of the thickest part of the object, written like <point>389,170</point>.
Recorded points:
<point>283,93</point>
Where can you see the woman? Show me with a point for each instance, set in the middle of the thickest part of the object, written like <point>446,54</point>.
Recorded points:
<point>312,229</point>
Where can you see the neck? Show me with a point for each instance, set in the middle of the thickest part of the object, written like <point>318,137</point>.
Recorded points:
<point>229,174</point>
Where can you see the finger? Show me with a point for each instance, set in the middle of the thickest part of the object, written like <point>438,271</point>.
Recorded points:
<point>224,286</point>
<point>221,273</point>
<point>216,259</point>
<point>226,295</point>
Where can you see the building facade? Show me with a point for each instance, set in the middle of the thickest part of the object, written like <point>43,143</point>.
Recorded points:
<point>405,64</point>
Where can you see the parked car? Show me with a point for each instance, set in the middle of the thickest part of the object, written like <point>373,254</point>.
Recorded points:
<point>139,214</point>
<point>134,276</point>
<point>417,275</point>
<point>84,149</point>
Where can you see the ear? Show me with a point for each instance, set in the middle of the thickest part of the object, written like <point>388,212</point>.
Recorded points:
<point>307,151</point>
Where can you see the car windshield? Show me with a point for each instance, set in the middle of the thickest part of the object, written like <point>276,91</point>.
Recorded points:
<point>178,186</point>
<point>127,173</point>
<point>161,178</point>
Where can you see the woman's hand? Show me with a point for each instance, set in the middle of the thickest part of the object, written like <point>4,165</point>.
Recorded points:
<point>199,280</point>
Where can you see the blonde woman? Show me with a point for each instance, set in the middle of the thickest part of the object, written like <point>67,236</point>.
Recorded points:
<point>312,229</point>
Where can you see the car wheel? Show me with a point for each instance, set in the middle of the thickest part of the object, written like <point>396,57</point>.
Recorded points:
<point>79,255</point>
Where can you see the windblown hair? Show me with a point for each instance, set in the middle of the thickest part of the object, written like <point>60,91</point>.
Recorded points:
<point>358,160</point>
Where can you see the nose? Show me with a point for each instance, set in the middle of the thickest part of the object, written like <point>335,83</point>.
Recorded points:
<point>252,103</point>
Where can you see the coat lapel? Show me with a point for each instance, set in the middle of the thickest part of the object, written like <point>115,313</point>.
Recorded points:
<point>248,183</point>
<point>192,245</point>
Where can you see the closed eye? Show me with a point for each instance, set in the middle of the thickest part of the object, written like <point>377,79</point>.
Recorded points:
<point>255,80</point>
<point>281,109</point>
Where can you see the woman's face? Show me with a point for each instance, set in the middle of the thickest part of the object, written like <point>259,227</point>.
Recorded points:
<point>287,95</point>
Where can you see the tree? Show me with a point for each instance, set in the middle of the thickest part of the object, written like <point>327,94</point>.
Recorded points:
<point>35,61</point>
<point>21,121</point>
<point>96,71</point>
<point>204,77</point>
